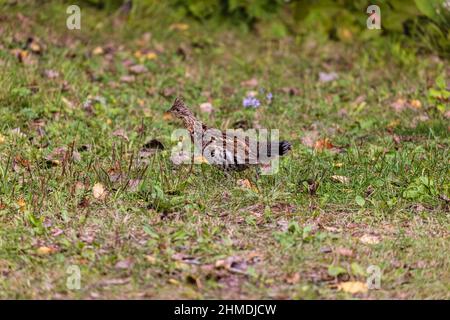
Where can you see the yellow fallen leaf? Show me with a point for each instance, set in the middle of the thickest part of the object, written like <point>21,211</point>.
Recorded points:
<point>2,139</point>
<point>179,26</point>
<point>151,56</point>
<point>22,204</point>
<point>174,281</point>
<point>353,287</point>
<point>45,251</point>
<point>181,265</point>
<point>369,239</point>
<point>393,124</point>
<point>97,51</point>
<point>99,191</point>
<point>200,159</point>
<point>150,259</point>
<point>416,104</point>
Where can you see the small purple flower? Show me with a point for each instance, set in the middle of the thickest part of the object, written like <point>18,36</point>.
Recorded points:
<point>269,97</point>
<point>251,102</point>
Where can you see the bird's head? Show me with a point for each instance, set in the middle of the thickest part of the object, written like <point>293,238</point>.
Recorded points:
<point>179,109</point>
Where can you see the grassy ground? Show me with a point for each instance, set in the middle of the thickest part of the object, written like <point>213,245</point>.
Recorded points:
<point>367,181</point>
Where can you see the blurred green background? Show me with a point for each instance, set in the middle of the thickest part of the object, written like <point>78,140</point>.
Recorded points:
<point>426,22</point>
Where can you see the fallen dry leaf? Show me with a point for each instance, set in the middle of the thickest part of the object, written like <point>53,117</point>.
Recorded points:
<point>310,138</point>
<point>179,26</point>
<point>2,139</point>
<point>127,79</point>
<point>353,287</point>
<point>341,179</point>
<point>22,204</point>
<point>99,191</point>
<point>416,104</point>
<point>145,56</point>
<point>322,144</point>
<point>42,251</point>
<point>51,74</point>
<point>370,239</point>
<point>293,278</point>
<point>327,77</point>
<point>138,69</point>
<point>206,107</point>
<point>124,264</point>
<point>399,104</point>
<point>344,252</point>
<point>121,134</point>
<point>250,83</point>
<point>150,259</point>
<point>246,184</point>
<point>173,281</point>
<point>98,51</point>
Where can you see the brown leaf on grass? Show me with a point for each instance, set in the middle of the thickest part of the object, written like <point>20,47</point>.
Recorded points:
<point>344,252</point>
<point>2,205</point>
<point>2,138</point>
<point>341,179</point>
<point>127,79</point>
<point>99,192</point>
<point>138,69</point>
<point>293,278</point>
<point>60,154</point>
<point>98,51</point>
<point>151,259</point>
<point>43,251</point>
<point>51,74</point>
<point>121,134</point>
<point>415,104</point>
<point>206,107</point>
<point>251,83</point>
<point>168,92</point>
<point>246,184</point>
<point>124,264</point>
<point>327,76</point>
<point>399,104</point>
<point>370,239</point>
<point>309,139</point>
<point>143,55</point>
<point>353,287</point>
<point>322,144</point>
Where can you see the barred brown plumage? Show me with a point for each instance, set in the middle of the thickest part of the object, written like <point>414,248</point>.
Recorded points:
<point>230,149</point>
